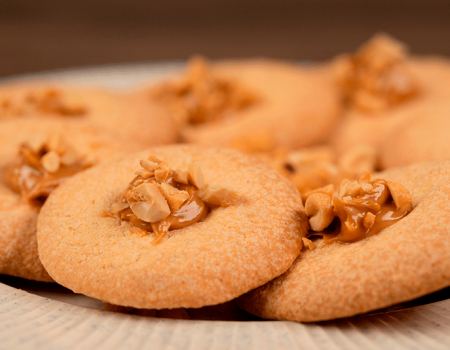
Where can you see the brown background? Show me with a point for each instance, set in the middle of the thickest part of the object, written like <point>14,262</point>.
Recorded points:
<point>45,34</point>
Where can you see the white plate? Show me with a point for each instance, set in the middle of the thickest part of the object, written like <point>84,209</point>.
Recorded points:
<point>40,316</point>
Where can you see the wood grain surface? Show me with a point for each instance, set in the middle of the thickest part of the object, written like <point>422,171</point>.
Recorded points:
<point>46,34</point>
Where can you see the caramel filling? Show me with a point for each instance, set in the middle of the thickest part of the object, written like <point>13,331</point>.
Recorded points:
<point>361,210</point>
<point>192,211</point>
<point>376,77</point>
<point>160,199</point>
<point>48,101</point>
<point>29,177</point>
<point>203,97</point>
<point>314,167</point>
<point>352,214</point>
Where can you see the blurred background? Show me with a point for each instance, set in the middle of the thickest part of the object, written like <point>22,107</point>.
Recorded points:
<point>48,34</point>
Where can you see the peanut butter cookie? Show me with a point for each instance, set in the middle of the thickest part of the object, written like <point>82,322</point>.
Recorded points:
<point>383,88</point>
<point>172,227</point>
<point>119,114</point>
<point>251,105</point>
<point>35,157</point>
<point>403,261</point>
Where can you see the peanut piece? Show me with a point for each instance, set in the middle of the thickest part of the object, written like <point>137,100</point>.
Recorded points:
<point>320,211</point>
<point>147,202</point>
<point>399,193</point>
<point>51,162</point>
<point>116,207</point>
<point>218,195</point>
<point>369,220</point>
<point>153,159</point>
<point>328,189</point>
<point>195,175</point>
<point>174,197</point>
<point>148,165</point>
<point>181,177</point>
<point>146,174</point>
<point>161,174</point>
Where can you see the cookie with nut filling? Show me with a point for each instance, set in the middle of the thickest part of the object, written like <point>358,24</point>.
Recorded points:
<point>383,88</point>
<point>251,105</point>
<point>311,168</point>
<point>356,267</point>
<point>180,226</point>
<point>35,158</point>
<point>117,113</point>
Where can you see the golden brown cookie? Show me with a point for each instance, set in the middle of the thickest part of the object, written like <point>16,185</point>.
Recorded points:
<point>402,262</point>
<point>254,105</point>
<point>18,218</point>
<point>119,114</point>
<point>232,250</point>
<point>384,88</point>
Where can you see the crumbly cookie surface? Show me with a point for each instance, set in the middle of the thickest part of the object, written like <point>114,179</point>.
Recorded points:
<point>122,115</point>
<point>18,219</point>
<point>376,128</point>
<point>293,106</point>
<point>233,250</point>
<point>18,245</point>
<point>404,261</point>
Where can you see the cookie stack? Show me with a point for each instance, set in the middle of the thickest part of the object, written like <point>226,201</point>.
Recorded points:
<point>270,185</point>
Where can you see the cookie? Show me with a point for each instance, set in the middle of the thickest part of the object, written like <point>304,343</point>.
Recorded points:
<point>384,88</point>
<point>119,114</point>
<point>402,262</point>
<point>18,216</point>
<point>230,251</point>
<point>254,105</point>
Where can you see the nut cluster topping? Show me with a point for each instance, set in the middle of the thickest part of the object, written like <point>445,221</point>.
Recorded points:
<point>202,96</point>
<point>360,209</point>
<point>160,199</point>
<point>41,165</point>
<point>316,167</point>
<point>41,101</point>
<point>376,77</point>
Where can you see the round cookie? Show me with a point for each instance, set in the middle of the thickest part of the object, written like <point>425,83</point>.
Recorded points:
<point>18,219</point>
<point>123,115</point>
<point>284,105</point>
<point>357,127</point>
<point>404,261</point>
<point>422,137</point>
<point>233,250</point>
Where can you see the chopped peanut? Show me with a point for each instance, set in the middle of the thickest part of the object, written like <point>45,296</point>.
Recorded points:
<point>181,177</point>
<point>195,175</point>
<point>51,162</point>
<point>147,203</point>
<point>320,211</point>
<point>369,220</point>
<point>148,165</point>
<point>217,195</point>
<point>328,189</point>
<point>399,193</point>
<point>174,197</point>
